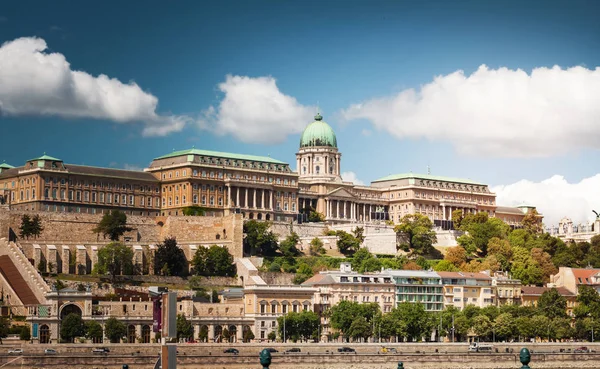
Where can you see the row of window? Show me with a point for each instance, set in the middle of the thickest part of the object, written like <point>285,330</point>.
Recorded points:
<point>221,175</point>
<point>94,197</point>
<point>93,184</point>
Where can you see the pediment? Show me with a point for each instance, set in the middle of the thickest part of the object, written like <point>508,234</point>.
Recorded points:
<point>341,193</point>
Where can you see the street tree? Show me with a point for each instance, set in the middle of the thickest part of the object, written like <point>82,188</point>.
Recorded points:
<point>93,331</point>
<point>298,326</point>
<point>114,259</point>
<point>169,259</point>
<point>71,327</point>
<point>482,326</point>
<point>360,329</point>
<point>115,330</point>
<point>552,304</point>
<point>259,240</point>
<point>418,323</point>
<point>504,326</point>
<point>113,225</point>
<point>415,233</point>
<point>184,328</point>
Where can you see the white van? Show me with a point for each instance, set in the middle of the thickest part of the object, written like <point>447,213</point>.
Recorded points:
<point>480,347</point>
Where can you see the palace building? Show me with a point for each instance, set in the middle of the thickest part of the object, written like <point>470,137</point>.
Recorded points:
<point>259,187</point>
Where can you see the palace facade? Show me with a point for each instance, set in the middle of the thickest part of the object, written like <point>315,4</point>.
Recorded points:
<point>259,187</point>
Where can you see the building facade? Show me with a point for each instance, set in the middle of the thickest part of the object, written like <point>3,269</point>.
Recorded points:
<point>259,187</point>
<point>462,289</point>
<point>418,286</point>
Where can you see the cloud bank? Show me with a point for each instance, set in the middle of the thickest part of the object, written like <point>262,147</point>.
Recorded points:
<point>254,110</point>
<point>502,112</point>
<point>351,177</point>
<point>35,82</point>
<point>554,197</point>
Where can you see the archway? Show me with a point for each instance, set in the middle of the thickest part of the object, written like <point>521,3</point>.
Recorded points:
<point>268,217</point>
<point>69,309</point>
<point>232,333</point>
<point>259,217</point>
<point>218,333</point>
<point>44,334</point>
<point>247,334</point>
<point>145,334</point>
<point>131,333</point>
<point>203,334</point>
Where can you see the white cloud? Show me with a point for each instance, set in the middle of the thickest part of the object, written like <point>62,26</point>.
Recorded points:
<point>554,197</point>
<point>35,82</point>
<point>254,110</point>
<point>503,112</point>
<point>366,132</point>
<point>351,177</point>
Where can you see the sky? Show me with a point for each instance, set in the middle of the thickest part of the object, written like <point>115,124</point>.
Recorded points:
<point>506,93</point>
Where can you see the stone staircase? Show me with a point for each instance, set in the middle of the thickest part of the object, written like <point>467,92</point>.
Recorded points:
<point>28,273</point>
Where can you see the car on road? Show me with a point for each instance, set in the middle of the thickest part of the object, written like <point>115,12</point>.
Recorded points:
<point>17,351</point>
<point>388,350</point>
<point>581,350</point>
<point>50,352</point>
<point>346,349</point>
<point>101,350</point>
<point>271,349</point>
<point>293,350</point>
<point>231,351</point>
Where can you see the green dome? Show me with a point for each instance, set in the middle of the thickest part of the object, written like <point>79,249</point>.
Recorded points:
<point>318,133</point>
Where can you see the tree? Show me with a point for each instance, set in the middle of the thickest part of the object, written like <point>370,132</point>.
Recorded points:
<point>184,328</point>
<point>359,234</point>
<point>481,229</point>
<point>298,326</point>
<point>248,335</point>
<point>113,225</point>
<point>258,239</point>
<point>36,226</point>
<point>93,330</point>
<point>347,244</point>
<point>194,210</point>
<point>344,313</point>
<point>303,273</point>
<point>315,217</point>
<point>363,261</point>
<point>411,265</point>
<point>4,327</point>
<point>360,329</point>
<point>501,250</point>
<point>417,322</point>
<point>532,222</point>
<point>115,330</point>
<point>71,327</point>
<point>456,255</point>
<point>203,334</point>
<point>544,261</point>
<point>316,247</point>
<point>505,326</point>
<point>415,232</point>
<point>170,259</point>
<point>482,326</point>
<point>25,228</point>
<point>25,334</point>
<point>114,259</point>
<point>445,266</point>
<point>213,261</point>
<point>288,247</point>
<point>552,304</point>
<point>457,218</point>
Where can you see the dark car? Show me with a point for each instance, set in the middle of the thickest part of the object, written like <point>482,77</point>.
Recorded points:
<point>346,349</point>
<point>231,351</point>
<point>292,350</point>
<point>271,349</point>
<point>581,350</point>
<point>101,350</point>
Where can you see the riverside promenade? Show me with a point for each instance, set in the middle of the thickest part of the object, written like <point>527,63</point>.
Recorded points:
<point>312,356</point>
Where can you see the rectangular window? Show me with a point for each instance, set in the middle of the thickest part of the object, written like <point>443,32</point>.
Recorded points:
<point>78,195</point>
<point>93,197</point>
<point>124,199</point>
<point>102,197</point>
<point>131,200</point>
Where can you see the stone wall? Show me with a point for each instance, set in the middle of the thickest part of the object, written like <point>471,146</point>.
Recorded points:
<point>283,229</point>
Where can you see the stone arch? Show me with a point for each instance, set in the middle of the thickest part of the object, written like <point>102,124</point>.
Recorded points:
<point>146,333</point>
<point>259,216</point>
<point>268,217</point>
<point>44,333</point>
<point>251,216</point>
<point>69,308</point>
<point>232,333</point>
<point>218,333</point>
<point>203,334</point>
<point>131,333</point>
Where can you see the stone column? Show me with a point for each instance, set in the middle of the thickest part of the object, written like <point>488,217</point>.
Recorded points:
<point>211,332</point>
<point>94,257</point>
<point>444,212</point>
<point>271,200</point>
<point>228,195</point>
<point>37,255</point>
<point>138,331</point>
<point>254,198</point>
<point>81,259</point>
<point>262,201</point>
<point>196,331</point>
<point>240,332</point>
<point>66,259</point>
<point>138,257</point>
<point>450,213</point>
<point>337,211</point>
<point>237,197</point>
<point>51,258</point>
<point>246,199</point>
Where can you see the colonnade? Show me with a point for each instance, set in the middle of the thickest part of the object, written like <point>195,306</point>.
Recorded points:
<point>345,210</point>
<point>250,198</point>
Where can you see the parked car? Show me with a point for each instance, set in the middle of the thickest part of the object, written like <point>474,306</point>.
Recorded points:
<point>50,352</point>
<point>16,351</point>
<point>101,350</point>
<point>346,349</point>
<point>271,349</point>
<point>231,351</point>
<point>292,350</point>
<point>388,350</point>
<point>581,350</point>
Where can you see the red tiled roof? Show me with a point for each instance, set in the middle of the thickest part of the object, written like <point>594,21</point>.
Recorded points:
<point>584,276</point>
<point>537,291</point>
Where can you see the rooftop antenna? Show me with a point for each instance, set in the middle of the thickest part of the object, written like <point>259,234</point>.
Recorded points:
<point>428,170</point>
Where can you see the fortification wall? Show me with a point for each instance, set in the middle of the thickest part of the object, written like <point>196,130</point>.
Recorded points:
<point>283,229</point>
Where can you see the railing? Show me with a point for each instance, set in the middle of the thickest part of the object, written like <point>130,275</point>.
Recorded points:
<point>19,259</point>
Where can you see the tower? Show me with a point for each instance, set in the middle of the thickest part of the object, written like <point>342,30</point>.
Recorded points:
<point>318,156</point>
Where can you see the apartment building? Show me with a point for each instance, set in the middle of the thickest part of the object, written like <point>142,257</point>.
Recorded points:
<point>462,289</point>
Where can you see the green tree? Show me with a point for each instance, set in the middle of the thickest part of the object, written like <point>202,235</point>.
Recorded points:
<point>588,303</point>
<point>303,273</point>
<point>184,328</point>
<point>501,250</point>
<point>415,233</point>
<point>359,234</point>
<point>4,327</point>
<point>298,326</point>
<point>525,327</point>
<point>417,323</point>
<point>445,266</point>
<point>25,228</point>
<point>481,229</point>
<point>36,226</point>
<point>25,334</point>
<point>272,336</point>
<point>532,222</point>
<point>482,326</point>
<point>203,334</point>
<point>71,327</point>
<point>258,239</point>
<point>360,329</point>
<point>344,313</point>
<point>316,247</point>
<point>248,336</point>
<point>347,244</point>
<point>213,261</point>
<point>504,326</point>
<point>288,247</point>
<point>194,210</point>
<point>113,225</point>
<point>457,218</point>
<point>114,259</point>
<point>552,304</point>
<point>115,330</point>
<point>315,217</point>
<point>540,325</point>
<point>169,259</point>
<point>93,330</point>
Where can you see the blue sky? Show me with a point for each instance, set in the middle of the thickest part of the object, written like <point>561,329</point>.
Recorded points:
<point>354,59</point>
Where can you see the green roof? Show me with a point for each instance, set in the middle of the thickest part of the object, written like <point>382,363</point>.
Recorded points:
<point>429,177</point>
<point>219,154</point>
<point>5,166</point>
<point>45,157</point>
<point>318,133</point>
